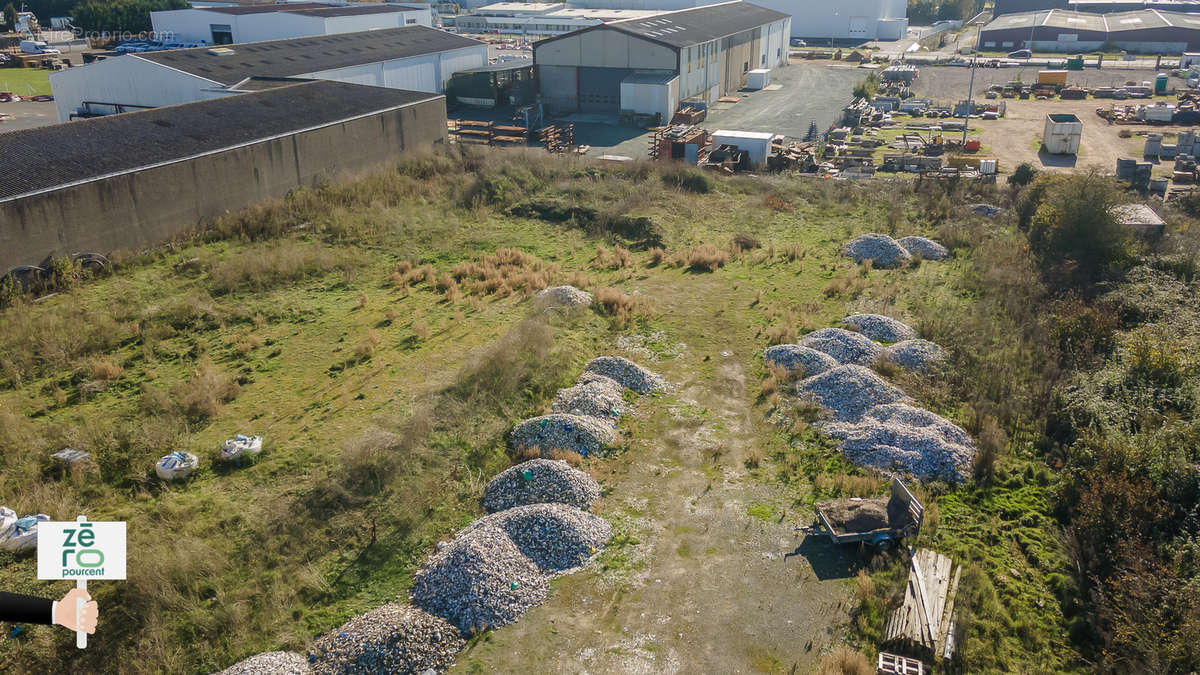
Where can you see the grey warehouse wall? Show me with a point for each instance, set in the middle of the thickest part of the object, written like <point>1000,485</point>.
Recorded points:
<point>137,210</point>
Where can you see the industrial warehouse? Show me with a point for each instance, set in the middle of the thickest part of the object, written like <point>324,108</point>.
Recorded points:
<point>1146,31</point>
<point>134,180</point>
<point>705,52</point>
<point>258,23</point>
<point>415,58</point>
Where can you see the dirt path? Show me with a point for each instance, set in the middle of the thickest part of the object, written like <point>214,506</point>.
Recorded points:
<point>707,587</point>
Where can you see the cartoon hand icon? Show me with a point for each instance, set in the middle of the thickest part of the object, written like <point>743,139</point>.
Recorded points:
<point>64,611</point>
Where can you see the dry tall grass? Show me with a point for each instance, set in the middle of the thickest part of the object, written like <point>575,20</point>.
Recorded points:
<point>846,661</point>
<point>507,271</point>
<point>620,306</point>
<point>202,396</point>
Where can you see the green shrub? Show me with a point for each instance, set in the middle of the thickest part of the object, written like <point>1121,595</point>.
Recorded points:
<point>1074,234</point>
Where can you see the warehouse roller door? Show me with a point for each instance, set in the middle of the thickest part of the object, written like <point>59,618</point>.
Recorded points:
<point>559,87</point>
<point>600,89</point>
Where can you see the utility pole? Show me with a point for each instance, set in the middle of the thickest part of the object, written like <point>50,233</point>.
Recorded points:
<point>971,86</point>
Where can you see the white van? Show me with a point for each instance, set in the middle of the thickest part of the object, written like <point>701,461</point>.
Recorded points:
<point>36,47</point>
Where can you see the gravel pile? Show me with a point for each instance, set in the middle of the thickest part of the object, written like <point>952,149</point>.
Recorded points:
<point>480,580</point>
<point>795,357</point>
<point>885,252</point>
<point>556,537</point>
<point>540,481</point>
<point>911,440</point>
<point>880,328</point>
<point>562,431</point>
<point>393,638</point>
<point>562,296</point>
<point>915,354</point>
<point>843,345</point>
<point>849,391</point>
<point>270,663</point>
<point>927,248</point>
<point>626,373</point>
<point>598,397</point>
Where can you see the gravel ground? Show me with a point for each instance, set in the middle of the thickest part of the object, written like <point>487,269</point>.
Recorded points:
<point>627,373</point>
<point>884,251</point>
<point>598,397</point>
<point>880,328</point>
<point>562,296</point>
<point>915,354</point>
<point>270,663</point>
<point>806,360</point>
<point>843,345</point>
<point>562,431</point>
<point>849,391</point>
<point>478,581</point>
<point>540,481</point>
<point>927,248</point>
<point>556,537</point>
<point>392,638</point>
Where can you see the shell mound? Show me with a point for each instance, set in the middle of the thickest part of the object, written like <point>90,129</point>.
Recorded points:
<point>562,431</point>
<point>478,581</point>
<point>907,439</point>
<point>925,247</point>
<point>915,354</point>
<point>270,663</point>
<point>540,481</point>
<point>392,638</point>
<point>598,397</point>
<point>799,358</point>
<point>556,537</point>
<point>627,373</point>
<point>882,250</point>
<point>843,345</point>
<point>849,391</point>
<point>880,328</point>
<point>562,296</point>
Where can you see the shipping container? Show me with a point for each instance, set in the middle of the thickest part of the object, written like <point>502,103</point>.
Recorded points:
<point>1057,78</point>
<point>1062,133</point>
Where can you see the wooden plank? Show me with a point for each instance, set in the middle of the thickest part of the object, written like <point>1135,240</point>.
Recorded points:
<point>922,596</point>
<point>946,646</point>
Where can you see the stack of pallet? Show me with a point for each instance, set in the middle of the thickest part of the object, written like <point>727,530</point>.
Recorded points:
<point>557,139</point>
<point>924,624</point>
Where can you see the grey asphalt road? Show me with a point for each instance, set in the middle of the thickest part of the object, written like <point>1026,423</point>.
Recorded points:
<point>806,92</point>
<point>26,115</point>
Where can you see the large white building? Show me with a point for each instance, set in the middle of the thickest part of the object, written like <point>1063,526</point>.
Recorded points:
<point>650,65</point>
<point>829,19</point>
<point>415,58</point>
<point>258,23</point>
<point>539,18</point>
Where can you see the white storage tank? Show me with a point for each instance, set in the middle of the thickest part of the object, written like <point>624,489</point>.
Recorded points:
<point>756,143</point>
<point>1062,133</point>
<point>758,79</point>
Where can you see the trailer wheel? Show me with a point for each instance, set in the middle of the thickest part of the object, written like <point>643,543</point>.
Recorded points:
<point>883,545</point>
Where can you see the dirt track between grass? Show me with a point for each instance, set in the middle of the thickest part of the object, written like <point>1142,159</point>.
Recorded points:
<point>708,588</point>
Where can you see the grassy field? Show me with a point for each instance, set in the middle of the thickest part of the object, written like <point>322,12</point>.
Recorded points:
<point>378,333</point>
<point>25,81</point>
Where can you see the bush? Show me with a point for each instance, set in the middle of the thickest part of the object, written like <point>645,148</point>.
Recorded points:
<point>1023,175</point>
<point>202,396</point>
<point>1074,233</point>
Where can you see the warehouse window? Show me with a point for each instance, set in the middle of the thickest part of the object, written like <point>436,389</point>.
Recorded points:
<point>989,44</point>
<point>410,21</point>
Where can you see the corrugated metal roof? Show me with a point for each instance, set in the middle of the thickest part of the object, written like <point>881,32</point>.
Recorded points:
<point>48,157</point>
<point>299,56</point>
<point>700,24</point>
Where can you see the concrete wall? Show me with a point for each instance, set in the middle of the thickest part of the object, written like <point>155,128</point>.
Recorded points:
<point>134,211</point>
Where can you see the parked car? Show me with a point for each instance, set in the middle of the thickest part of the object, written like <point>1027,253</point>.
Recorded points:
<point>9,97</point>
<point>42,98</point>
<point>797,42</point>
<point>1021,54</point>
